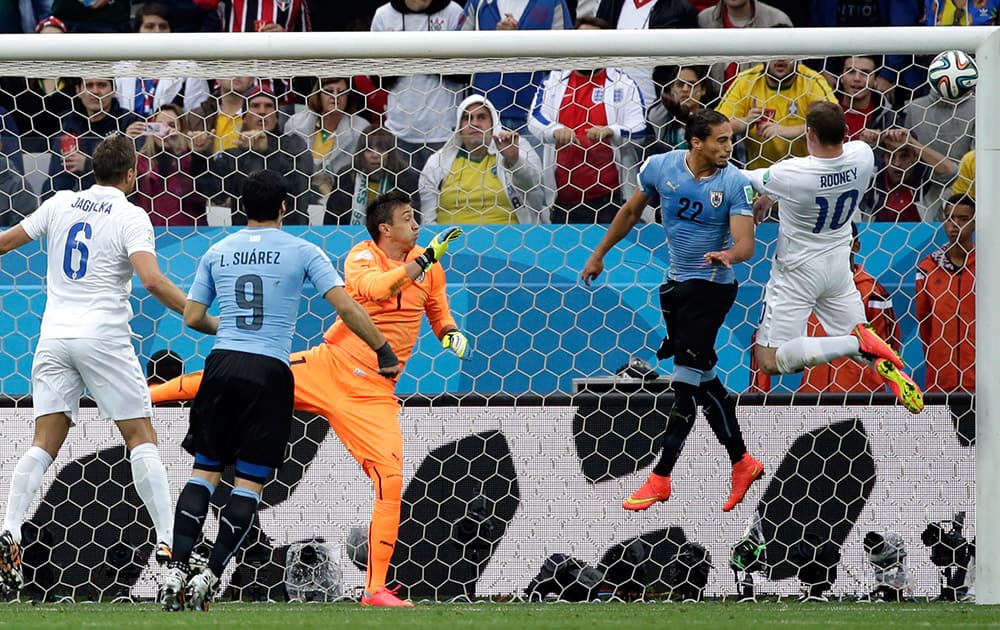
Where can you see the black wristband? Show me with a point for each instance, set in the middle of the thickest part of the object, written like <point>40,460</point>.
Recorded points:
<point>386,357</point>
<point>426,259</point>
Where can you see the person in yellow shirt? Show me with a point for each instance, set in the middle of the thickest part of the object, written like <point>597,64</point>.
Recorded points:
<point>768,105</point>
<point>965,181</point>
<point>484,174</point>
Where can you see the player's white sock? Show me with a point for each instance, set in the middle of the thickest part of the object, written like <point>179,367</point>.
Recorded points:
<point>803,352</point>
<point>24,484</point>
<point>150,478</point>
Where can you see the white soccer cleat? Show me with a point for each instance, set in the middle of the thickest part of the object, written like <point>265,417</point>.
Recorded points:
<point>174,587</point>
<point>201,590</point>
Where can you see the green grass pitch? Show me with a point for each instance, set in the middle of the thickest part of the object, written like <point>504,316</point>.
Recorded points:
<point>670,616</point>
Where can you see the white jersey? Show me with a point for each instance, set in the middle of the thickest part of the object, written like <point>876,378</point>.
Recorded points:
<point>817,199</point>
<point>91,235</point>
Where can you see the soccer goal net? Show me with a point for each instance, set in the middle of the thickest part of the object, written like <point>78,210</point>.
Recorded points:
<point>517,458</point>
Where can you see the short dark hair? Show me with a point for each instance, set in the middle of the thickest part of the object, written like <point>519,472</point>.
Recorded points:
<point>381,209</point>
<point>113,158</point>
<point>701,123</point>
<point>263,193</point>
<point>151,8</point>
<point>962,199</point>
<point>827,120</point>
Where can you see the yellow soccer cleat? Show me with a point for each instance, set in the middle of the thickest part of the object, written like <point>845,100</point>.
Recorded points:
<point>907,392</point>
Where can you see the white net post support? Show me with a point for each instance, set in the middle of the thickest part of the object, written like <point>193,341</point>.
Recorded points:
<point>987,314</point>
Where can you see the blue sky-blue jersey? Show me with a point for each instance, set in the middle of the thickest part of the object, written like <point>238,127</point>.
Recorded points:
<point>257,275</point>
<point>695,213</point>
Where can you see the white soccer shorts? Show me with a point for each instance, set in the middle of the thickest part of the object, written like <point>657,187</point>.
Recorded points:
<point>823,285</point>
<point>63,368</point>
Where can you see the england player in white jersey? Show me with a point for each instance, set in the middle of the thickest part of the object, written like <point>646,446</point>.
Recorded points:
<point>817,198</point>
<point>96,239</point>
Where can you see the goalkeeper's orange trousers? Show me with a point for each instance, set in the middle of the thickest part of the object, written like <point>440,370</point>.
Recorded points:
<point>363,410</point>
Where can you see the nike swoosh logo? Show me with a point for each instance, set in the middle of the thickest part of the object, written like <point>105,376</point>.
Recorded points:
<point>632,501</point>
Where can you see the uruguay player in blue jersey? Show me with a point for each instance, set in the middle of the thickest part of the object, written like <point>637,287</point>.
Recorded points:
<point>242,412</point>
<point>706,205</point>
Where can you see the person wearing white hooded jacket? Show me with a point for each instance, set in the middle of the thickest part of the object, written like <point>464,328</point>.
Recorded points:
<point>484,174</point>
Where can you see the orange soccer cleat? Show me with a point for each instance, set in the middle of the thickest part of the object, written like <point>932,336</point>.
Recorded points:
<point>745,472</point>
<point>873,347</point>
<point>656,488</point>
<point>907,392</point>
<point>384,597</point>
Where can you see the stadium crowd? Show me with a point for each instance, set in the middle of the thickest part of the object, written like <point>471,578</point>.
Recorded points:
<point>501,148</point>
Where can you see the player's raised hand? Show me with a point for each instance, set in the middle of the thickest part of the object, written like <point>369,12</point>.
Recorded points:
<point>592,269</point>
<point>437,247</point>
<point>456,342</point>
<point>761,207</point>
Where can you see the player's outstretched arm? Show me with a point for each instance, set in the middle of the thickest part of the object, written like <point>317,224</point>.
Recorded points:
<point>742,229</point>
<point>13,238</point>
<point>626,218</point>
<point>196,316</point>
<point>163,289</point>
<point>361,324</point>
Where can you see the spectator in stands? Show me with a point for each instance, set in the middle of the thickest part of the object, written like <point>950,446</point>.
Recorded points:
<point>224,110</point>
<point>484,174</point>
<point>946,130</point>
<point>188,17</point>
<point>965,182</point>
<point>266,17</point>
<point>768,104</point>
<point>946,303</point>
<point>899,71</point>
<point>739,14</point>
<point>146,96</point>
<point>845,375</point>
<point>262,144</point>
<point>166,169</point>
<point>422,106</point>
<point>688,91</point>
<point>16,198</point>
<point>38,105</point>
<point>377,168</point>
<point>331,127</point>
<point>939,167</point>
<point>96,115</point>
<point>21,16</point>
<point>961,12</point>
<point>586,120</point>
<point>511,92</point>
<point>898,192</point>
<point>642,15</point>
<point>94,16</point>
<point>865,111</point>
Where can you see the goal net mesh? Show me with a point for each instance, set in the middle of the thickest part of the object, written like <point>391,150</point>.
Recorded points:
<point>517,458</point>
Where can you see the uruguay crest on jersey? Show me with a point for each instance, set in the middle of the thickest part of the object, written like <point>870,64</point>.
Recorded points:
<point>715,197</point>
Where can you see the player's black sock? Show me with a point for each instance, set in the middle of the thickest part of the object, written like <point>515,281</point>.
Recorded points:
<point>189,518</point>
<point>720,411</point>
<point>234,524</point>
<point>679,425</point>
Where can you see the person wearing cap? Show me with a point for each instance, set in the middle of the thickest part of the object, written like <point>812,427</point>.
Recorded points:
<point>262,144</point>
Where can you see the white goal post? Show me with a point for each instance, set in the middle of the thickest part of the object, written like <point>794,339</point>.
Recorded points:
<point>267,54</point>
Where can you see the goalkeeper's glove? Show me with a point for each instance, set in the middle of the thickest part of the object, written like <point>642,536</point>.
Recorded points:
<point>456,342</point>
<point>437,247</point>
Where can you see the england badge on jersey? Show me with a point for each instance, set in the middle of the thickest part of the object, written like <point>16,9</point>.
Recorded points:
<point>715,197</point>
<point>597,95</point>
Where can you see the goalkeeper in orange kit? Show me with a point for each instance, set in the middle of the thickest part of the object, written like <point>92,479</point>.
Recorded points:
<point>397,282</point>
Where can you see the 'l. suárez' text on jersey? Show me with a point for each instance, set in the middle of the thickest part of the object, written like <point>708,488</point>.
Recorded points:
<point>817,199</point>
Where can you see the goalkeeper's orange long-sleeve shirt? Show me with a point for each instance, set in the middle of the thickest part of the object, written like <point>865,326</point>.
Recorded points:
<point>395,303</point>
